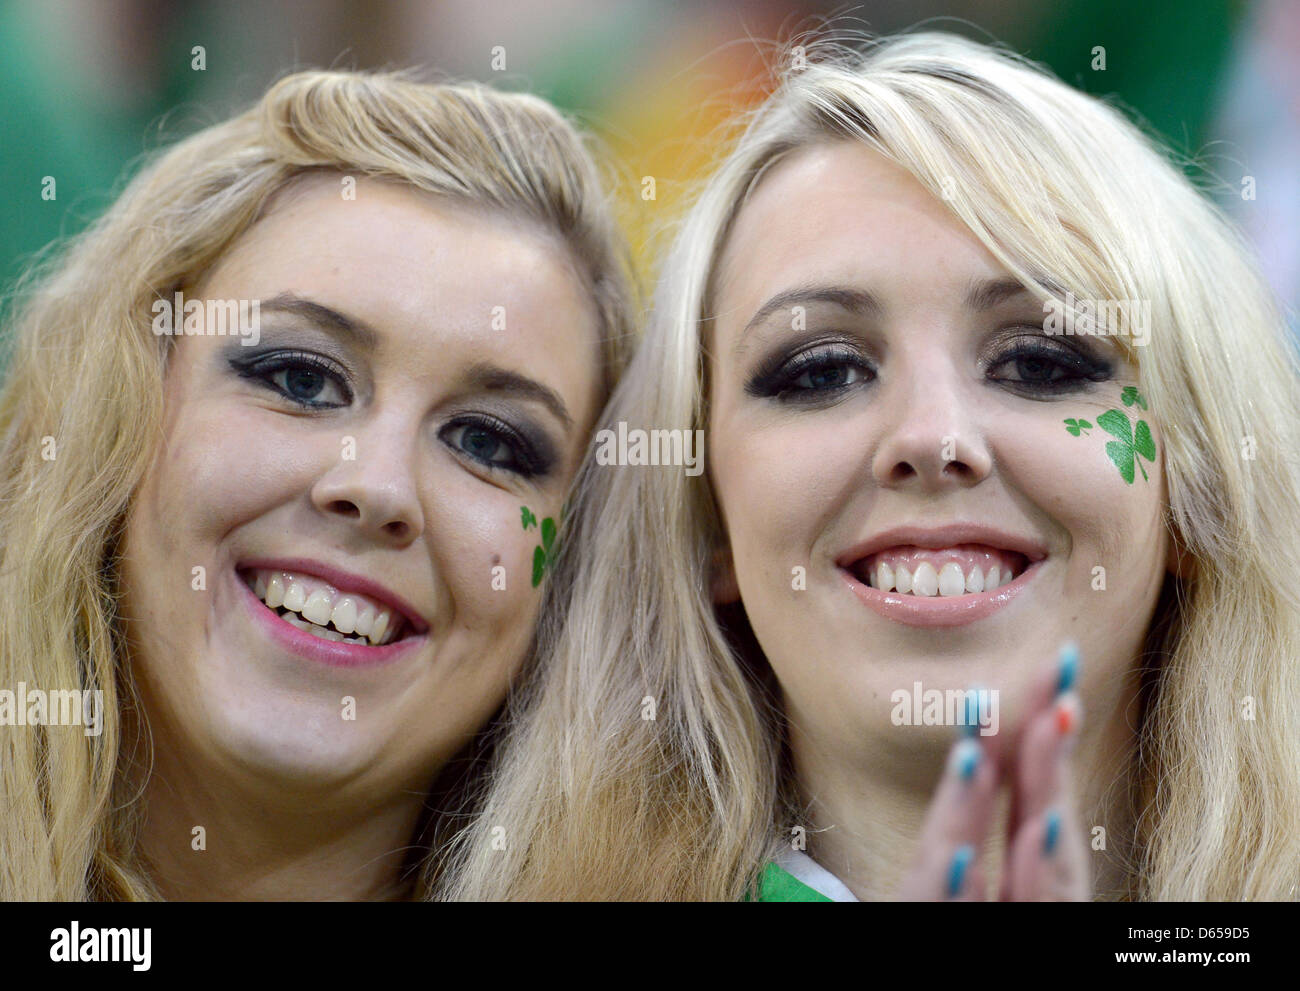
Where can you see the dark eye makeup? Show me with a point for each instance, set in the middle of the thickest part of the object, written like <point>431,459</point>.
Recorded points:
<point>298,376</point>
<point>313,382</point>
<point>825,372</point>
<point>498,445</point>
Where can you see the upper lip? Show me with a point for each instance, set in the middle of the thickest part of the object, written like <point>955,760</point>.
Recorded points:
<point>937,538</point>
<point>345,581</point>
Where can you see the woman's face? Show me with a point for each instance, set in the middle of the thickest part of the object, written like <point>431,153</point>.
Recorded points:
<point>872,369</point>
<point>424,370</point>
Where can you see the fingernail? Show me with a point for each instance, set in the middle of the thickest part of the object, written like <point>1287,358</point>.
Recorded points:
<point>1069,667</point>
<point>965,759</point>
<point>1053,832</point>
<point>957,870</point>
<point>1067,714</point>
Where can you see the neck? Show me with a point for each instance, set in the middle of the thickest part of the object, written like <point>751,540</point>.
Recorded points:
<point>866,813</point>
<point>205,837</point>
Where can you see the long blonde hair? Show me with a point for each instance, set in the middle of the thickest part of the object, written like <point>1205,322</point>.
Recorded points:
<point>646,759</point>
<point>81,406</point>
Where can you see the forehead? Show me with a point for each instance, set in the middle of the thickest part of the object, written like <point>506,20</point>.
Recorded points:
<point>429,272</point>
<point>393,241</point>
<point>842,213</point>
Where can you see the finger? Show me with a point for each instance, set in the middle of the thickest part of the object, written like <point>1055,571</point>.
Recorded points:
<point>1043,781</point>
<point>1048,860</point>
<point>959,816</point>
<point>1029,758</point>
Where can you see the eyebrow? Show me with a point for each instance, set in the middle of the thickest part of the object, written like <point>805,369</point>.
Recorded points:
<point>485,376</point>
<point>853,300</point>
<point>358,332</point>
<point>992,293</point>
<point>494,378</point>
<point>980,296</point>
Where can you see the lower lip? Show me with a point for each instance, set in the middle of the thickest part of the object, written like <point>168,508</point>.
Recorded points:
<point>331,652</point>
<point>939,610</point>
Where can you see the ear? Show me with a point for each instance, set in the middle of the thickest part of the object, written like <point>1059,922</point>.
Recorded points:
<point>1179,561</point>
<point>722,578</point>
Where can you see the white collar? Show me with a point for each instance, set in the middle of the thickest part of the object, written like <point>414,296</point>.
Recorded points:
<point>799,865</point>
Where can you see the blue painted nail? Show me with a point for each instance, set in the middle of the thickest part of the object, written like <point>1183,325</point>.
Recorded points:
<point>1069,667</point>
<point>957,870</point>
<point>1053,832</point>
<point>965,759</point>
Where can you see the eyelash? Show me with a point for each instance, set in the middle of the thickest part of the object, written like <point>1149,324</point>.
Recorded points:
<point>527,463</point>
<point>778,378</point>
<point>263,368</point>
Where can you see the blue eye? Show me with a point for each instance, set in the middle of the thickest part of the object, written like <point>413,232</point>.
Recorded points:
<point>1037,366</point>
<point>308,380</point>
<point>495,444</point>
<point>809,376</point>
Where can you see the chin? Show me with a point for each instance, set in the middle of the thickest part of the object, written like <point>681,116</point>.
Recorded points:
<point>295,745</point>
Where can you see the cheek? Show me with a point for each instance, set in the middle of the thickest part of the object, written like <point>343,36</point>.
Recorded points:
<point>1110,522</point>
<point>487,556</point>
<point>777,486</point>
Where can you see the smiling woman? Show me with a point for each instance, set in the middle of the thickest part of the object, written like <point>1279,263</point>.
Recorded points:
<point>917,484</point>
<point>288,551</point>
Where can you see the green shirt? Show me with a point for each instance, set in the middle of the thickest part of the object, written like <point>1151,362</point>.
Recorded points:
<point>776,884</point>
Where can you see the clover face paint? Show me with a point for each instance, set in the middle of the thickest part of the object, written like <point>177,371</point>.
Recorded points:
<point>1133,441</point>
<point>543,554</point>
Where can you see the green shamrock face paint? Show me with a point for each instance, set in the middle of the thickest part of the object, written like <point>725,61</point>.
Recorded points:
<point>543,555</point>
<point>1132,443</point>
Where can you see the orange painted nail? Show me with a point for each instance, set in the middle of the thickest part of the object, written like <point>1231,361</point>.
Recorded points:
<point>1067,716</point>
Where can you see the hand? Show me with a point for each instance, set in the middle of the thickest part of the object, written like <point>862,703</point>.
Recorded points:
<point>1046,856</point>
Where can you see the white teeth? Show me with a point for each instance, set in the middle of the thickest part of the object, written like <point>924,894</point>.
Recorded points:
<point>884,576</point>
<point>274,592</point>
<point>295,596</point>
<point>926,580</point>
<point>314,612</point>
<point>951,581</point>
<point>380,627</point>
<point>948,581</point>
<point>317,608</point>
<point>345,615</point>
<point>365,619</point>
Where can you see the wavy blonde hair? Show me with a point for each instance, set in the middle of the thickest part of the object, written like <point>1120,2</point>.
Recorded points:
<point>599,801</point>
<point>86,370</point>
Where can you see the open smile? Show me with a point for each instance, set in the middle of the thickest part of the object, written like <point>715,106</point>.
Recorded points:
<point>313,616</point>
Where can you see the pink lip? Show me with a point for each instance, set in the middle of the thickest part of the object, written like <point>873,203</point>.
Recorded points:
<point>937,610</point>
<point>343,581</point>
<point>336,654</point>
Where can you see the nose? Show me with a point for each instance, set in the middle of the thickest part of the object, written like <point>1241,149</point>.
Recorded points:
<point>373,484</point>
<point>932,437</point>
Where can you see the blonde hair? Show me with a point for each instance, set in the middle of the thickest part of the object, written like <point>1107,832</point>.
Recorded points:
<point>85,384</point>
<point>598,801</point>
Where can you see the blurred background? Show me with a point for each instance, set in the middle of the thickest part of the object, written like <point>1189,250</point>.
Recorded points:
<point>88,86</point>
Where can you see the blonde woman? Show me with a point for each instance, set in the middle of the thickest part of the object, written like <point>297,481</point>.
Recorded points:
<point>994,401</point>
<point>285,437</point>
